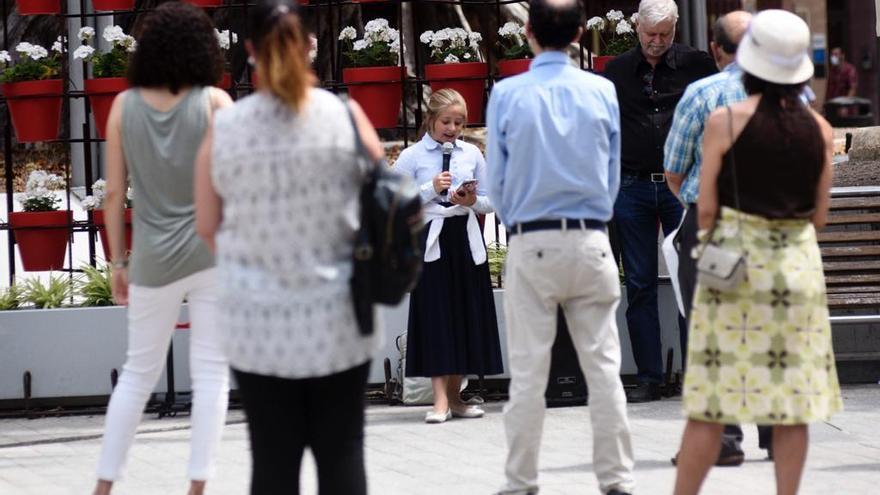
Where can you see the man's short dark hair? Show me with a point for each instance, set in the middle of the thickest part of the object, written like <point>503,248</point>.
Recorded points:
<point>176,48</point>
<point>721,38</point>
<point>555,26</point>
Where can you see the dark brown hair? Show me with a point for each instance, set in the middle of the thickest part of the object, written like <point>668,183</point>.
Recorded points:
<point>176,48</point>
<point>281,45</point>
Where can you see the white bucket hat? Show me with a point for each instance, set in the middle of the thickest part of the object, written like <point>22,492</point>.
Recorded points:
<point>776,48</point>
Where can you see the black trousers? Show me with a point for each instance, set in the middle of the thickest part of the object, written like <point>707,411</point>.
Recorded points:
<point>687,282</point>
<point>325,414</point>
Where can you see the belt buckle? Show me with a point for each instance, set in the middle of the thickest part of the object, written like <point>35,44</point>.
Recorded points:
<point>658,177</point>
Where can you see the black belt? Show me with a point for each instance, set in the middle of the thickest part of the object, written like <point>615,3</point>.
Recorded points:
<point>561,224</point>
<point>651,176</point>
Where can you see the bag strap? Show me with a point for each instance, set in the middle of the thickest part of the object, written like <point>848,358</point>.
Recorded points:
<point>359,147</point>
<point>735,180</point>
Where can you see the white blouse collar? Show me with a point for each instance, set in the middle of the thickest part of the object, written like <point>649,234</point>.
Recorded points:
<point>430,144</point>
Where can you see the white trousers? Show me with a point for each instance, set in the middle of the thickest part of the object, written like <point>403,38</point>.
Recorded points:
<point>575,269</point>
<point>152,316</point>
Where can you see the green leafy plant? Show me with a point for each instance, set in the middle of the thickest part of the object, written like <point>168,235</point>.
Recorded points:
<point>94,286</point>
<point>38,195</point>
<point>35,63</point>
<point>113,63</point>
<point>616,34</point>
<point>512,40</point>
<point>452,45</point>
<point>50,295</point>
<point>380,46</point>
<point>496,254</point>
<point>10,298</point>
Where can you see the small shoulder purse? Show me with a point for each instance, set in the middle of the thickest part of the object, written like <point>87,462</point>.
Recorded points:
<point>719,268</point>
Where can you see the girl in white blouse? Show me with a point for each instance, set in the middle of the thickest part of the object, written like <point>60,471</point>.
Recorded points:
<point>452,328</point>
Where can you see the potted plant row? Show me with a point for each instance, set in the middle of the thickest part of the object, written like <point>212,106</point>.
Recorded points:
<point>33,90</point>
<point>454,52</point>
<point>612,35</point>
<point>41,229</point>
<point>108,70</point>
<point>516,54</point>
<point>91,288</point>
<point>95,202</point>
<point>374,71</point>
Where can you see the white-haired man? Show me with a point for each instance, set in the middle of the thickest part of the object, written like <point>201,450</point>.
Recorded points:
<point>650,80</point>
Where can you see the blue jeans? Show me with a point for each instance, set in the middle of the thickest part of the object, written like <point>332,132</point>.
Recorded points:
<point>642,207</point>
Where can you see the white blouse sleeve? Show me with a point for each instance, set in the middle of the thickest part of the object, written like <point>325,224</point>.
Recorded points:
<point>483,204</point>
<point>407,164</point>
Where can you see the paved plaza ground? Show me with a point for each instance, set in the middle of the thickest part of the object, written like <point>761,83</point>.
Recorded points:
<point>404,456</point>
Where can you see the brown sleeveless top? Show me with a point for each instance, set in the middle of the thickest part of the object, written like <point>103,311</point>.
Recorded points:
<point>778,164</point>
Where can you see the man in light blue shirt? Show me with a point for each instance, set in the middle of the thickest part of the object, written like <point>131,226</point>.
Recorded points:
<point>553,157</point>
<point>682,159</point>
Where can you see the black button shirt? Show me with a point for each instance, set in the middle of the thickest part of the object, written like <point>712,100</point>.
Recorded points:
<point>648,96</point>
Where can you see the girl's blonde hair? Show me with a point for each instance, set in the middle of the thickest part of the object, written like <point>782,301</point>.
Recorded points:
<point>441,100</point>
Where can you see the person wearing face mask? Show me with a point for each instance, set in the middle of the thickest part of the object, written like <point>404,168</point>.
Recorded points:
<point>452,328</point>
<point>650,80</point>
<point>842,77</point>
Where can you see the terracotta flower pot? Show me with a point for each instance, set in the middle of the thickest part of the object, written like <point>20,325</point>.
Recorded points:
<point>380,101</point>
<point>101,93</point>
<point>41,249</point>
<point>98,217</point>
<point>205,3</point>
<point>507,68</point>
<point>36,108</point>
<point>39,7</point>
<point>456,76</point>
<point>600,61</point>
<point>113,4</point>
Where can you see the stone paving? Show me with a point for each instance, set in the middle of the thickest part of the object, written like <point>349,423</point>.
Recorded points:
<point>404,456</point>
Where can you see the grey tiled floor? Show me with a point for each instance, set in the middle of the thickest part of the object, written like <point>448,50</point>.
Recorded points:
<point>404,456</point>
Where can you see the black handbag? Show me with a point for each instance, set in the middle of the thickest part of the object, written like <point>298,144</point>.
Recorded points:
<point>721,268</point>
<point>387,250</point>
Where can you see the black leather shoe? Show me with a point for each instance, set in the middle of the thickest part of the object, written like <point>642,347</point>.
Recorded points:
<point>617,492</point>
<point>644,392</point>
<point>731,454</point>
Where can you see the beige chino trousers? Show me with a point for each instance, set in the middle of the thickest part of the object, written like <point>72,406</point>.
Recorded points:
<point>575,269</point>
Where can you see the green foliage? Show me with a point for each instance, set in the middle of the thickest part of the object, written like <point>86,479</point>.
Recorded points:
<point>619,44</point>
<point>49,295</point>
<point>497,255</point>
<point>513,42</point>
<point>378,54</point>
<point>517,52</point>
<point>27,69</point>
<point>41,203</point>
<point>10,298</point>
<point>94,286</point>
<point>111,64</point>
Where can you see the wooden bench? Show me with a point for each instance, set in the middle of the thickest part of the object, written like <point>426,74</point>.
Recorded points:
<point>850,246</point>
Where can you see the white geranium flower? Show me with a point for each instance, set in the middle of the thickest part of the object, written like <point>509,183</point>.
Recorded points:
<point>91,203</point>
<point>234,38</point>
<point>376,25</point>
<point>442,35</point>
<point>38,52</point>
<point>130,44</point>
<point>451,59</point>
<point>86,33</point>
<point>509,29</point>
<point>99,186</point>
<point>83,52</point>
<point>392,35</point>
<point>394,46</point>
<point>614,15</point>
<point>623,27</point>
<point>347,33</point>
<point>222,38</point>
<point>113,33</point>
<point>58,45</point>
<point>24,48</point>
<point>466,56</point>
<point>596,23</point>
<point>634,19</point>
<point>4,57</point>
<point>40,183</point>
<point>359,45</point>
<point>427,37</point>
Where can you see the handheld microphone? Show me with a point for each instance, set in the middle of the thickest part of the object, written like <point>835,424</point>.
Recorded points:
<point>447,156</point>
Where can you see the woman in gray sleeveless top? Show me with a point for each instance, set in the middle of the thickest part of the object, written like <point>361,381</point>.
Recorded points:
<point>277,188</point>
<point>152,137</point>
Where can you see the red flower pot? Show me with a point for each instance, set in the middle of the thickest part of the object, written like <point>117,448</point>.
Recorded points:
<point>98,217</point>
<point>225,81</point>
<point>41,249</point>
<point>205,3</point>
<point>381,100</point>
<point>600,61</point>
<point>453,76</point>
<point>37,7</point>
<point>36,109</point>
<point>507,68</point>
<point>101,93</point>
<point>113,4</point>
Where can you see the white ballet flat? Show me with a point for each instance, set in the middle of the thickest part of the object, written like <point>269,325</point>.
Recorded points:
<point>432,417</point>
<point>468,412</point>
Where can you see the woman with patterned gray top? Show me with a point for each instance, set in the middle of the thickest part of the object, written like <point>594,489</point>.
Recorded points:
<point>152,135</point>
<point>277,194</point>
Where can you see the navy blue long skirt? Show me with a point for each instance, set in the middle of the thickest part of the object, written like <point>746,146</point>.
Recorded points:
<point>452,327</point>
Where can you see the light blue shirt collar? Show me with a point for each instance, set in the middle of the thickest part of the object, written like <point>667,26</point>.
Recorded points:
<point>550,57</point>
<point>431,144</point>
<point>732,68</point>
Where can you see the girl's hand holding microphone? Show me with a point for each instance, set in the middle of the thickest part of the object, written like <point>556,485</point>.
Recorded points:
<point>442,182</point>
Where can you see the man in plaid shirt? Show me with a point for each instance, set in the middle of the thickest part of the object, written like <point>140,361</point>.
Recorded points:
<point>683,155</point>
